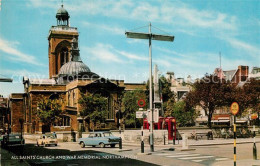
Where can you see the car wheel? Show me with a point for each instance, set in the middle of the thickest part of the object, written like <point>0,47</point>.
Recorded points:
<point>93,146</point>
<point>82,145</point>
<point>112,145</point>
<point>102,145</point>
<point>55,144</point>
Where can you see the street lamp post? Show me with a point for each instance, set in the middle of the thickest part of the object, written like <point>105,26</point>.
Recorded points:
<point>150,36</point>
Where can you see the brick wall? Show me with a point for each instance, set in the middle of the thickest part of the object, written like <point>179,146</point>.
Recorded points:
<point>16,108</point>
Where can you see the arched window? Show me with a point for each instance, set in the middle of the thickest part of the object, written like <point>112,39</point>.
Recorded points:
<point>61,55</point>
<point>54,96</point>
<point>64,56</point>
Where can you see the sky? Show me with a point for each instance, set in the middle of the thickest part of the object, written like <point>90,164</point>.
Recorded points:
<point>202,29</point>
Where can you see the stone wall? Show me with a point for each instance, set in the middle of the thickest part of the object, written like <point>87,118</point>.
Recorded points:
<point>134,136</point>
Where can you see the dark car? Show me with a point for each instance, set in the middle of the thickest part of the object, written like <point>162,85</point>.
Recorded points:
<point>14,139</point>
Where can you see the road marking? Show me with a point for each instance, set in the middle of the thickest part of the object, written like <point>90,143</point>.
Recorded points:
<point>184,155</point>
<point>219,159</point>
<point>187,158</point>
<point>197,160</point>
<point>163,154</point>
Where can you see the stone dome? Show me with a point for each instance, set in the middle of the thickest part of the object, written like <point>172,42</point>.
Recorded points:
<point>73,68</point>
<point>62,14</point>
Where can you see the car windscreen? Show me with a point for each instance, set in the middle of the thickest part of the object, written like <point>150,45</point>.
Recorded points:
<point>50,136</point>
<point>108,134</point>
<point>14,136</point>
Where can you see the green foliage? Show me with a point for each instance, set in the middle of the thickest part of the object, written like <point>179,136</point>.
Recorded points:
<point>49,110</point>
<point>130,106</point>
<point>167,94</point>
<point>94,107</point>
<point>184,117</point>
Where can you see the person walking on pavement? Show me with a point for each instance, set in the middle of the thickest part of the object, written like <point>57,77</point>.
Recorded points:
<point>54,134</point>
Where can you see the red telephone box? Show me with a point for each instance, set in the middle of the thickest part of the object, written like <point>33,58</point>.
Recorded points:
<point>170,124</point>
<point>145,123</point>
<point>160,123</point>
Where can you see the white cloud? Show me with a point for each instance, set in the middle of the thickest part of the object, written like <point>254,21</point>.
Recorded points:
<point>249,49</point>
<point>175,13</point>
<point>132,56</point>
<point>109,28</point>
<point>16,55</point>
<point>102,52</point>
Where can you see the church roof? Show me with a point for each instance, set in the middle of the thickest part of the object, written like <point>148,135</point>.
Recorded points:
<point>73,68</point>
<point>62,14</point>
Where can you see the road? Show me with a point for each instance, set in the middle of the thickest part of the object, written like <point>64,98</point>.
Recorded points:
<point>71,154</point>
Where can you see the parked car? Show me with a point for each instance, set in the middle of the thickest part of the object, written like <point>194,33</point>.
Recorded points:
<point>47,140</point>
<point>14,139</point>
<point>99,139</point>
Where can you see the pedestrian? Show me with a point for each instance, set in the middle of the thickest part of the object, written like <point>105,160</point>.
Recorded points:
<point>54,134</point>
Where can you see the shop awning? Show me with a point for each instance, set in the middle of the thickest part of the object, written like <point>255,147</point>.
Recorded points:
<point>220,121</point>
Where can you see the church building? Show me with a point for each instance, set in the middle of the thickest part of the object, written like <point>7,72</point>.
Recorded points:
<point>69,77</point>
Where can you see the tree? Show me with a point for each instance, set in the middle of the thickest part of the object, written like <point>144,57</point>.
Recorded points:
<point>209,93</point>
<point>49,110</point>
<point>94,108</point>
<point>167,94</point>
<point>130,106</point>
<point>183,116</point>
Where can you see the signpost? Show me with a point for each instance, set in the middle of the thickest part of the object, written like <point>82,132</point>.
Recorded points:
<point>150,36</point>
<point>234,110</point>
<point>141,114</point>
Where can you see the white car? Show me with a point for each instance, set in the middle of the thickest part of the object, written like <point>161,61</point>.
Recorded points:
<point>47,140</point>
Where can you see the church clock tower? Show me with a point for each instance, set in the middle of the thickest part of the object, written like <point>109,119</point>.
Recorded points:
<point>60,38</point>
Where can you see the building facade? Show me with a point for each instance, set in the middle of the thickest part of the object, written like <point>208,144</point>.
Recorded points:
<point>69,78</point>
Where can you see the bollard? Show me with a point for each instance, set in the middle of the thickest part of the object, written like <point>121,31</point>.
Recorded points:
<point>254,146</point>
<point>164,138</point>
<point>178,139</point>
<point>254,152</point>
<point>142,147</point>
<point>120,143</point>
<point>184,142</point>
<point>142,142</point>
<point>151,142</point>
<point>173,141</point>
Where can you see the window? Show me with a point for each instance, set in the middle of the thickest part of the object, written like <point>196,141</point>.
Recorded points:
<point>64,56</point>
<point>69,98</point>
<point>64,121</point>
<point>74,98</point>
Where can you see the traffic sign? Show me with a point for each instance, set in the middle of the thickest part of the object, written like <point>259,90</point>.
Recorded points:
<point>141,103</point>
<point>234,108</point>
<point>254,116</point>
<point>155,115</point>
<point>141,114</point>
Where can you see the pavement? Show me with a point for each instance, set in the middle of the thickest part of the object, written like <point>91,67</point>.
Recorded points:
<point>217,141</point>
<point>6,159</point>
<point>193,143</point>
